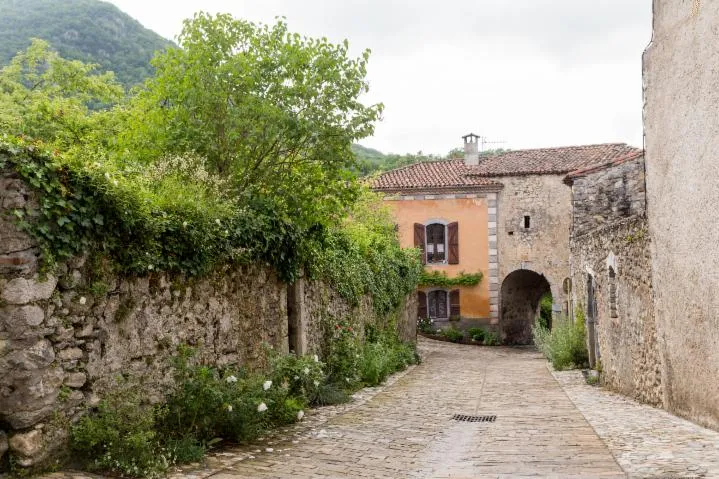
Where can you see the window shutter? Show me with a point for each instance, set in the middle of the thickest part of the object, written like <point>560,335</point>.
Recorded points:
<point>453,242</point>
<point>419,235</point>
<point>422,309</point>
<point>454,311</point>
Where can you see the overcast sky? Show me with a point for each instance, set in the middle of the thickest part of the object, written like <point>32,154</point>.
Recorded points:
<point>532,73</point>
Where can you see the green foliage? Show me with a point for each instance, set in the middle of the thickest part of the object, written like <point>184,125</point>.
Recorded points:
<point>87,30</point>
<point>47,97</point>
<point>565,344</point>
<point>382,358</point>
<point>269,109</point>
<point>426,326</point>
<point>545,310</point>
<point>492,339</point>
<point>120,437</point>
<point>453,334</point>
<point>440,279</point>
<point>477,334</point>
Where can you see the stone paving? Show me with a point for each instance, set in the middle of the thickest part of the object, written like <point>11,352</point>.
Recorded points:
<point>647,442</point>
<point>549,424</point>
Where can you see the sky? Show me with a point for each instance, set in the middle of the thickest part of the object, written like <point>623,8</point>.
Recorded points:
<point>526,73</point>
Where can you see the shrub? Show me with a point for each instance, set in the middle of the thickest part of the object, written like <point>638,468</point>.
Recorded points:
<point>545,310</point>
<point>426,326</point>
<point>492,339</point>
<point>477,334</point>
<point>565,344</point>
<point>120,437</point>
<point>453,334</point>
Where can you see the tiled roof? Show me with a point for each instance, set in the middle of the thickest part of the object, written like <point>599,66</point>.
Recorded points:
<point>444,174</point>
<point>593,169</point>
<point>454,174</point>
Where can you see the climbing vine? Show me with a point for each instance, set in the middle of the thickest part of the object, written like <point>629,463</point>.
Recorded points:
<point>441,280</point>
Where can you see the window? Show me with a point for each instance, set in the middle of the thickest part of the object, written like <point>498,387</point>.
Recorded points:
<point>436,243</point>
<point>527,222</point>
<point>437,304</point>
<point>612,293</point>
<point>439,242</point>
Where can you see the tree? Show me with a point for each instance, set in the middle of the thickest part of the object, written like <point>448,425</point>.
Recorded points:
<point>273,111</point>
<point>49,98</point>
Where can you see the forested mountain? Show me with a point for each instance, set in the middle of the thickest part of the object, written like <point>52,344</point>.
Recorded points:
<point>371,161</point>
<point>89,30</point>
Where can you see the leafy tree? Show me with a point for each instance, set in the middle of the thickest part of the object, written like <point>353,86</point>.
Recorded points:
<point>46,97</point>
<point>273,111</point>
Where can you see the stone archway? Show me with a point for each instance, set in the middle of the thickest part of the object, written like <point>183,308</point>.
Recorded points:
<point>520,295</point>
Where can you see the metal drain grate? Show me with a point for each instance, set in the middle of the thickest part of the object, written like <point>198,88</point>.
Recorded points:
<point>466,418</point>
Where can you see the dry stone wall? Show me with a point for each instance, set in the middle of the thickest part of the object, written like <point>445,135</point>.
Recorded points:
<point>66,338</point>
<point>628,347</point>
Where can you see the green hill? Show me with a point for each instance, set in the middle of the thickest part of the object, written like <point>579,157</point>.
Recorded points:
<point>88,30</point>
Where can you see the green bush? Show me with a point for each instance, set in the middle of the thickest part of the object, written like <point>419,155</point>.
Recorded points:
<point>492,339</point>
<point>477,334</point>
<point>545,310</point>
<point>565,344</point>
<point>120,437</point>
<point>453,334</point>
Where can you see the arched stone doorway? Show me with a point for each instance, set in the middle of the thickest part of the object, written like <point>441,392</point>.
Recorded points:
<point>520,295</point>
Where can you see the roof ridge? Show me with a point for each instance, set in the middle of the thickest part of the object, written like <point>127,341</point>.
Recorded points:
<point>400,168</point>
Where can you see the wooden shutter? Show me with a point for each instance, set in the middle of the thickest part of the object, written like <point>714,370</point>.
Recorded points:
<point>419,236</point>
<point>422,309</point>
<point>454,311</point>
<point>453,243</point>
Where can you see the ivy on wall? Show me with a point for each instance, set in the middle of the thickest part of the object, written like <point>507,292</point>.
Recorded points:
<point>441,280</point>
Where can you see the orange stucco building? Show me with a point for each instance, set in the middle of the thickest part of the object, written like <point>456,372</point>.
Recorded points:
<point>507,216</point>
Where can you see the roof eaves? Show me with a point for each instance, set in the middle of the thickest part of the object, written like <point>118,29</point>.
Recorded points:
<point>569,179</point>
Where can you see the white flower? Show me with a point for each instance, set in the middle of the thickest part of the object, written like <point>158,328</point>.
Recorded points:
<point>229,408</point>
<point>317,383</point>
<point>306,370</point>
<point>107,175</point>
<point>217,221</point>
<point>300,415</point>
<point>82,300</point>
<point>347,379</point>
<point>296,378</point>
<point>262,407</point>
<point>227,232</point>
<point>231,379</point>
<point>316,358</point>
<point>267,385</point>
<point>114,182</point>
<point>150,267</point>
<point>184,224</point>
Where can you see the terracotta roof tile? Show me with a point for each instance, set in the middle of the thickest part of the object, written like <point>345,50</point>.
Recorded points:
<point>454,174</point>
<point>444,174</point>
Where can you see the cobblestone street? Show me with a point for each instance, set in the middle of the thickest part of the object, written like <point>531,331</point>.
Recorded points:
<point>549,424</point>
<point>546,427</point>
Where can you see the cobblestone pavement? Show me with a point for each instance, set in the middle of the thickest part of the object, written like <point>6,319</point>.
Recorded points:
<point>647,442</point>
<point>405,430</point>
<point>549,425</point>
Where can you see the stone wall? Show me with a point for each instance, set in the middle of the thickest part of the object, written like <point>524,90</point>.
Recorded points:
<point>543,247</point>
<point>681,101</point>
<point>628,348</point>
<point>66,338</point>
<point>602,197</point>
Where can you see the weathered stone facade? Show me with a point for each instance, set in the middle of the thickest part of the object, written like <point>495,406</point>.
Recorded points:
<point>66,338</point>
<point>544,201</point>
<point>610,255</point>
<point>681,99</point>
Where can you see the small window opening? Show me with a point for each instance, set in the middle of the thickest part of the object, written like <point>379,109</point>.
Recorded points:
<point>526,222</point>
<point>511,233</point>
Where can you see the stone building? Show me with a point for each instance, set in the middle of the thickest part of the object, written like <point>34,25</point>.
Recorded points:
<point>507,216</point>
<point>681,82</point>
<point>611,275</point>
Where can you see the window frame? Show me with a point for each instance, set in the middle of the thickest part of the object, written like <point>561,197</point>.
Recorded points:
<point>447,301</point>
<point>444,224</point>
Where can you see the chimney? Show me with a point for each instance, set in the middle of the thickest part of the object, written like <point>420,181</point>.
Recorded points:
<point>471,149</point>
